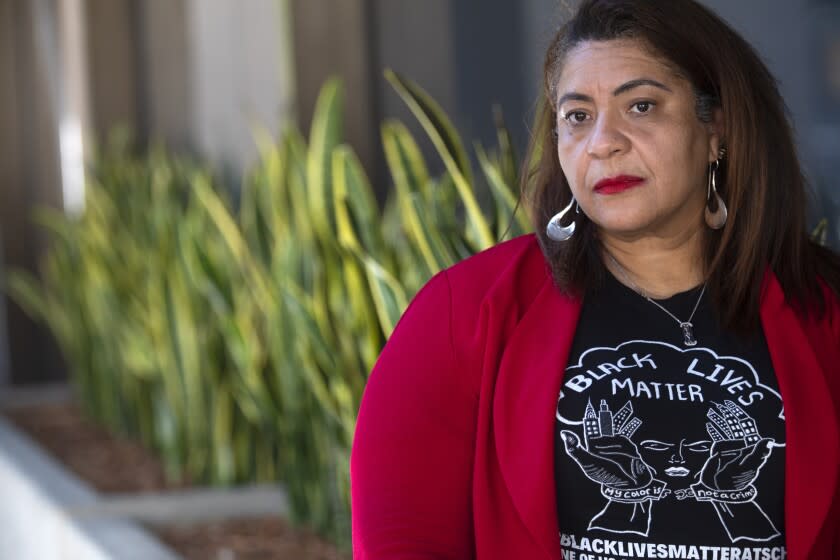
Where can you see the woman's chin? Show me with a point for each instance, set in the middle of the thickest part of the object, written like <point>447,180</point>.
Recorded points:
<point>624,226</point>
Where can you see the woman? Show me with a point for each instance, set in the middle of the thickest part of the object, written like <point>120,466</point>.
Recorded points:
<point>656,373</point>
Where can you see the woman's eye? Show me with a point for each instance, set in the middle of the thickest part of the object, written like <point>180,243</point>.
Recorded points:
<point>575,117</point>
<point>642,107</point>
<point>655,446</point>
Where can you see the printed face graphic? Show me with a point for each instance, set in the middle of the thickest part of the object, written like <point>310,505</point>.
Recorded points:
<point>676,460</point>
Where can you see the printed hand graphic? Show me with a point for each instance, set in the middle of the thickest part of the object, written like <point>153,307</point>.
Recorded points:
<point>626,481</point>
<point>733,466</point>
<point>726,481</point>
<point>613,461</point>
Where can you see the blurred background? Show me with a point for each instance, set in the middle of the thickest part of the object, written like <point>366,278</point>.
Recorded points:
<point>204,79</point>
<point>199,75</point>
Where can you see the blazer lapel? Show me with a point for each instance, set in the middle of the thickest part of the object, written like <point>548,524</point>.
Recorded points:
<point>813,442</point>
<point>528,384</point>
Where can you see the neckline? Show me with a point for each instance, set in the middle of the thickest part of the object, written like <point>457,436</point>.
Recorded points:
<point>678,299</point>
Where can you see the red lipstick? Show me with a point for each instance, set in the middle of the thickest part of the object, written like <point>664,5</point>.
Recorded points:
<point>617,184</point>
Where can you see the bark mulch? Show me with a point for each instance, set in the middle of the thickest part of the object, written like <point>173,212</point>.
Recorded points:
<point>117,465</point>
<point>109,463</point>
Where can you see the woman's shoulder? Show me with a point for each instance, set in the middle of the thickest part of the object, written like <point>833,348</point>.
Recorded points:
<point>514,270</point>
<point>828,279</point>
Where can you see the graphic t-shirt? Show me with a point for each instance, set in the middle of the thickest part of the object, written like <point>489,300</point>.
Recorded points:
<point>664,450</point>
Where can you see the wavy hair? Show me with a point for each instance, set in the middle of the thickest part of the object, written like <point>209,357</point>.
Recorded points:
<point>762,181</point>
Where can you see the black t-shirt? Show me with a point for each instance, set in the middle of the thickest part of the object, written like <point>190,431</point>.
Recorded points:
<point>664,450</point>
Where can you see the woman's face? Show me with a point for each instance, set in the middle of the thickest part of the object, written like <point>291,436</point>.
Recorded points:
<point>629,141</point>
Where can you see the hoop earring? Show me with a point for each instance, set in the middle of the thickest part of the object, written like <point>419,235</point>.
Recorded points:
<point>716,212</point>
<point>558,232</point>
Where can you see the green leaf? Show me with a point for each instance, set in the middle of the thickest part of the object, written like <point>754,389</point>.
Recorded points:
<point>411,181</point>
<point>324,137</point>
<point>508,164</point>
<point>505,202</point>
<point>187,358</point>
<point>357,215</point>
<point>404,159</point>
<point>223,431</point>
<point>25,290</point>
<point>820,233</point>
<point>449,146</point>
<point>388,296</point>
<point>233,239</point>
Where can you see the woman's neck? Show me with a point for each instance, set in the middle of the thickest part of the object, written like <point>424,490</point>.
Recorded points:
<point>659,267</point>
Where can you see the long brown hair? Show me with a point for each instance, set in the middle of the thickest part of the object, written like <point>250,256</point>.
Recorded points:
<point>763,185</point>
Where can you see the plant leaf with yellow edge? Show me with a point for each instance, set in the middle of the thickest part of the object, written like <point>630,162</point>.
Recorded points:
<point>449,146</point>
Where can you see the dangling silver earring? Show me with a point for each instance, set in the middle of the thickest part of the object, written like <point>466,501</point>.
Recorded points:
<point>716,212</point>
<point>558,232</point>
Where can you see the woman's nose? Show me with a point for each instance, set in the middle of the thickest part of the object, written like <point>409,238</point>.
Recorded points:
<point>606,139</point>
<point>677,457</point>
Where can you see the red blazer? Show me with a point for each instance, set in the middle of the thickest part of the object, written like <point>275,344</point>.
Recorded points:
<point>453,455</point>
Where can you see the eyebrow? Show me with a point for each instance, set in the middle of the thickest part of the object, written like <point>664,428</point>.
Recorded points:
<point>623,88</point>
<point>654,441</point>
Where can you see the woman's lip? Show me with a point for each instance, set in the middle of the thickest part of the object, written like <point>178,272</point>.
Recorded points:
<point>677,471</point>
<point>621,183</point>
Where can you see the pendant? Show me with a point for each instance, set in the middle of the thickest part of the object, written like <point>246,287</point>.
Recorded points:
<point>688,334</point>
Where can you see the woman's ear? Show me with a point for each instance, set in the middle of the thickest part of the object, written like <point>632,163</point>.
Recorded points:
<point>715,128</point>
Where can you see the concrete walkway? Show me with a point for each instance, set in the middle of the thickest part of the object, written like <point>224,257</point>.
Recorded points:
<point>49,513</point>
<point>189,506</point>
<point>36,513</point>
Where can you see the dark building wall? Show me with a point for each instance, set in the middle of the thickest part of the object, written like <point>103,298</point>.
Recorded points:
<point>490,66</point>
<point>337,39</point>
<point>799,40</point>
<point>29,168</point>
<point>468,55</point>
<point>417,40</point>
<point>114,59</point>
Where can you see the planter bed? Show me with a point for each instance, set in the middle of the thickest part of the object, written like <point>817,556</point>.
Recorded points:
<point>132,482</point>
